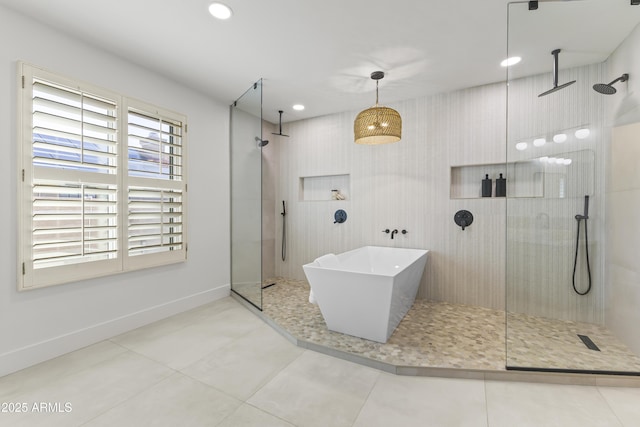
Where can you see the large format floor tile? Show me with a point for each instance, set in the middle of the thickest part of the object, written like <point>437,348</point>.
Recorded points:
<point>416,401</point>
<point>27,381</point>
<point>244,365</point>
<point>176,401</point>
<point>625,403</point>
<point>316,390</point>
<point>89,391</point>
<point>535,405</point>
<point>249,416</point>
<point>181,346</point>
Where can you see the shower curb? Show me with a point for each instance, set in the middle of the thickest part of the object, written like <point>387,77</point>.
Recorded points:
<point>563,378</point>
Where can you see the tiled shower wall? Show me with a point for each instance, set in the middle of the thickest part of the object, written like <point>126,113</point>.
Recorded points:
<point>541,230</point>
<point>405,185</point>
<point>623,196</point>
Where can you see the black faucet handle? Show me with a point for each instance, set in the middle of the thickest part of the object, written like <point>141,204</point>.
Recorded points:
<point>404,231</point>
<point>386,230</point>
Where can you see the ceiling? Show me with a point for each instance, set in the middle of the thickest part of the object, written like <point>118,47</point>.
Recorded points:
<point>321,54</point>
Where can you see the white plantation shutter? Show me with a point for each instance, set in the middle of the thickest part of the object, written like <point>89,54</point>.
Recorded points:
<point>87,202</point>
<point>156,188</point>
<point>73,223</point>
<point>155,220</point>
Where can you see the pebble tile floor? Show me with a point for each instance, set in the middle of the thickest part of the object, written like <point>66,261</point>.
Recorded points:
<point>443,335</point>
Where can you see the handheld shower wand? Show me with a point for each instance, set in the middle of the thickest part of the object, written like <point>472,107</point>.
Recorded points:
<point>283,250</point>
<point>584,217</point>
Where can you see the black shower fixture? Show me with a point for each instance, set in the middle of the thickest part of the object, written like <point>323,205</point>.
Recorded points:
<point>261,142</point>
<point>555,87</point>
<point>608,89</point>
<point>280,133</point>
<point>635,2</point>
<point>463,218</point>
<point>533,5</point>
<point>580,218</point>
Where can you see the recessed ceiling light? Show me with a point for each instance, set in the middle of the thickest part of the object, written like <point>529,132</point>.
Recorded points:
<point>298,107</point>
<point>220,11</point>
<point>511,61</point>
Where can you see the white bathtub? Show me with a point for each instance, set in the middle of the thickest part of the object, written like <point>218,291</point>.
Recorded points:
<point>367,291</point>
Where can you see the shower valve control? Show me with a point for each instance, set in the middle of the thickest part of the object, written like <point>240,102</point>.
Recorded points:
<point>463,219</point>
<point>386,230</point>
<point>340,216</point>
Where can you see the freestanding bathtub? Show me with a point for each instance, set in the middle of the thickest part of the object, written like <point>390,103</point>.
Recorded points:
<point>367,291</point>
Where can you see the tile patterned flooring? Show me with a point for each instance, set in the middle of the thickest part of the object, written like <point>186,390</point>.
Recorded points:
<point>443,335</point>
<point>219,365</point>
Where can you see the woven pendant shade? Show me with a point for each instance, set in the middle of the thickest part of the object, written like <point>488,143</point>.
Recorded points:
<point>377,125</point>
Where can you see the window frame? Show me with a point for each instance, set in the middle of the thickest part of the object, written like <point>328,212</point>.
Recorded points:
<point>30,277</point>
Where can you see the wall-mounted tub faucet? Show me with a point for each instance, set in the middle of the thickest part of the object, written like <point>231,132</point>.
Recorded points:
<point>394,232</point>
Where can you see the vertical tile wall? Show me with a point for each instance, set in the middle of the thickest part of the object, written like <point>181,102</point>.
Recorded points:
<point>541,231</point>
<point>623,195</point>
<point>405,185</point>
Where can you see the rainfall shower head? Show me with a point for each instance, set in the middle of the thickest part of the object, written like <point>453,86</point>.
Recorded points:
<point>280,133</point>
<point>261,142</point>
<point>555,87</point>
<point>608,89</point>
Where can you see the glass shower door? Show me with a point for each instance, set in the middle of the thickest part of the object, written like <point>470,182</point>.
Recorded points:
<point>558,297</point>
<point>246,195</point>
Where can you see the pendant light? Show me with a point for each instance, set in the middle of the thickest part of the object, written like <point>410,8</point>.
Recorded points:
<point>377,125</point>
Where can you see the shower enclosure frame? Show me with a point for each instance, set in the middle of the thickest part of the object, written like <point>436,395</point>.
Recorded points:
<point>245,158</point>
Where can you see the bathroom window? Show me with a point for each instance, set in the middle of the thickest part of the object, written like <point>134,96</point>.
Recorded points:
<point>86,209</point>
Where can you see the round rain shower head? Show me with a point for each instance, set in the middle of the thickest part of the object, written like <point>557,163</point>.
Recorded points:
<point>604,89</point>
<point>608,89</point>
<point>261,142</point>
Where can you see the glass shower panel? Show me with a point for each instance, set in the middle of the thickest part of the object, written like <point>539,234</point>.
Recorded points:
<point>246,195</point>
<point>558,146</point>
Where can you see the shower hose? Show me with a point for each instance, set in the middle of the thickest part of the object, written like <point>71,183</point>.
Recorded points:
<point>575,259</point>
<point>284,232</point>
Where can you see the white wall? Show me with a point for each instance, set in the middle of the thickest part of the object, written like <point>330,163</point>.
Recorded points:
<point>623,195</point>
<point>40,324</point>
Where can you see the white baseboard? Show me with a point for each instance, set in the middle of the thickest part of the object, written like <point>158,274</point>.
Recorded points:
<point>33,354</point>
